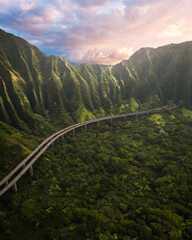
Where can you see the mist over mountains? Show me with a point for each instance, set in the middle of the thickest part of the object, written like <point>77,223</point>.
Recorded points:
<point>37,91</point>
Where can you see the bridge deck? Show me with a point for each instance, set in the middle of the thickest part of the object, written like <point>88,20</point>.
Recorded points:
<point>12,178</point>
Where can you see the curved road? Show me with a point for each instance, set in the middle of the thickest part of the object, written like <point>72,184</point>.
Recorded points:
<point>27,164</point>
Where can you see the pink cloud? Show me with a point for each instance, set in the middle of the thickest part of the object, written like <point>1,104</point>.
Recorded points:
<point>3,2</point>
<point>101,31</point>
<point>92,3</point>
<point>98,56</point>
<point>152,23</point>
<point>27,5</point>
<point>24,5</point>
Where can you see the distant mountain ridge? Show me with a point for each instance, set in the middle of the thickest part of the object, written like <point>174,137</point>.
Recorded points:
<point>37,91</point>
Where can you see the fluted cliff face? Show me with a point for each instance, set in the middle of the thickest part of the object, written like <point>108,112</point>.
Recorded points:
<point>37,91</point>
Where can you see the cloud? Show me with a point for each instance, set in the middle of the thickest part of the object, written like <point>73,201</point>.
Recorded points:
<point>24,5</point>
<point>92,3</point>
<point>96,55</point>
<point>172,31</point>
<point>103,31</point>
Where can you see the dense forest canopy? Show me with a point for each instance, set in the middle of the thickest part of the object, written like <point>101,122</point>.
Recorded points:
<point>118,180</point>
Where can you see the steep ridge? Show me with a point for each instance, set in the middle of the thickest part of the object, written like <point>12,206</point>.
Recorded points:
<point>38,92</point>
<point>165,71</point>
<point>35,88</point>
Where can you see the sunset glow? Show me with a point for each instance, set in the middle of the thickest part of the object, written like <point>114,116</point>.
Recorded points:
<point>100,31</point>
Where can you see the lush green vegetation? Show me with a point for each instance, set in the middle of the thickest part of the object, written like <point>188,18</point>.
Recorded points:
<point>15,145</point>
<point>186,112</point>
<point>119,180</point>
<point>38,92</point>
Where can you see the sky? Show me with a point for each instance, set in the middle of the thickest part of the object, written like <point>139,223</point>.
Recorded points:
<point>97,31</point>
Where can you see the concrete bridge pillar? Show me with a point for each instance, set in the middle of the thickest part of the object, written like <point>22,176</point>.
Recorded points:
<point>111,119</point>
<point>15,187</point>
<point>24,167</point>
<point>85,126</point>
<point>6,183</point>
<point>31,171</point>
<point>124,117</point>
<point>73,131</point>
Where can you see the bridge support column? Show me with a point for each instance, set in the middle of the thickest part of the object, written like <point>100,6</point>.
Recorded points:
<point>85,126</point>
<point>111,119</point>
<point>6,183</point>
<point>62,136</point>
<point>24,167</point>
<point>52,144</point>
<point>31,171</point>
<point>124,117</point>
<point>15,187</point>
<point>73,131</point>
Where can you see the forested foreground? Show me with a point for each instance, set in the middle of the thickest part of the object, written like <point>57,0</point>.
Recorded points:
<point>117,180</point>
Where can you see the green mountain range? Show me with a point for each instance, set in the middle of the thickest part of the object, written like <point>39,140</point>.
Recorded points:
<point>39,91</point>
<point>117,180</point>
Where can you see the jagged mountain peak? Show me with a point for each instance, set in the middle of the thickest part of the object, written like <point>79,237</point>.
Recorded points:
<point>50,89</point>
<point>140,52</point>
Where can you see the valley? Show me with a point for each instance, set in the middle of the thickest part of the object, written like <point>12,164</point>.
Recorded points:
<point>116,180</point>
<point>38,92</point>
